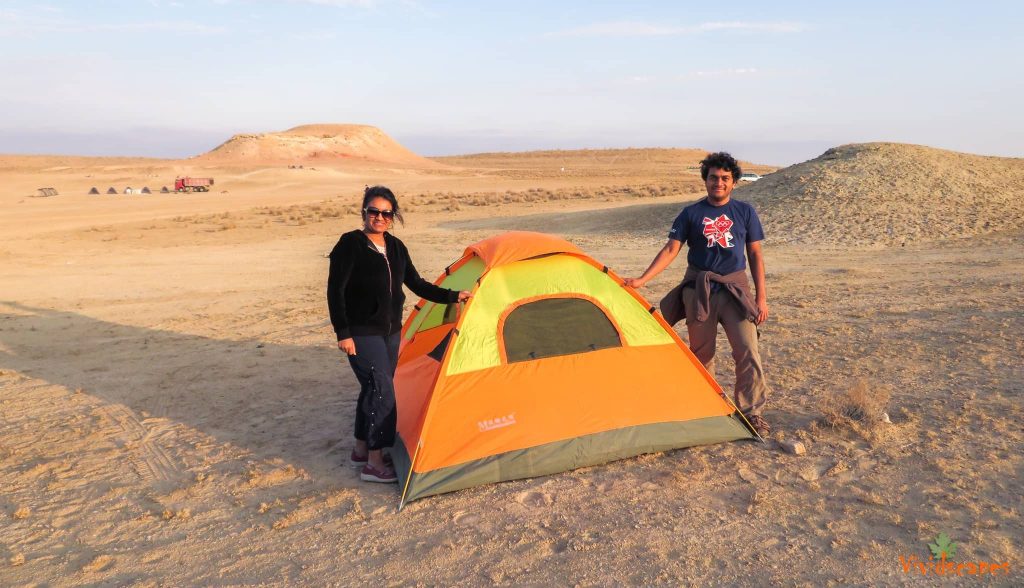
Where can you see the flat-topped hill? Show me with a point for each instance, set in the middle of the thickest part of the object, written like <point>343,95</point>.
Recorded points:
<point>321,143</point>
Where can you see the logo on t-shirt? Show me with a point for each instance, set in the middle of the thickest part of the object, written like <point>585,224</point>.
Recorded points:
<point>718,231</point>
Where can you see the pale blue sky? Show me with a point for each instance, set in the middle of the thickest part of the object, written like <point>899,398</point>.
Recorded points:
<point>773,82</point>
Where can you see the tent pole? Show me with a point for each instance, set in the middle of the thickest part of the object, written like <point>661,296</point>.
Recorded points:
<point>408,477</point>
<point>749,426</point>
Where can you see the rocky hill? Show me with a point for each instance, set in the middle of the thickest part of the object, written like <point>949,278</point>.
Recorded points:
<point>884,194</point>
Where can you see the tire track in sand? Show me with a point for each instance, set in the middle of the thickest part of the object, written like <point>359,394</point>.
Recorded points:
<point>149,459</point>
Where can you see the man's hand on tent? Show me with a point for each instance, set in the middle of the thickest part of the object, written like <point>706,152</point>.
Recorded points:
<point>465,295</point>
<point>348,346</point>
<point>634,282</point>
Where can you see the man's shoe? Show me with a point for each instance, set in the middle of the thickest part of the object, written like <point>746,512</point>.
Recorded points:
<point>372,474</point>
<point>760,425</point>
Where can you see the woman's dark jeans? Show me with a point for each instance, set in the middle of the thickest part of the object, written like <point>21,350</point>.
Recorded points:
<point>374,365</point>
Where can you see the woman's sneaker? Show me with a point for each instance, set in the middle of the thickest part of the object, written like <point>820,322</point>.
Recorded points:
<point>357,461</point>
<point>372,474</point>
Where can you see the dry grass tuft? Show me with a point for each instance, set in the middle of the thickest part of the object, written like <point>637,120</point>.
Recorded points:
<point>861,403</point>
<point>861,408</point>
<point>455,201</point>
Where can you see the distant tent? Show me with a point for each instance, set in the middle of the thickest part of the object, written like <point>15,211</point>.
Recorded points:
<point>111,190</point>
<point>46,192</point>
<point>145,190</point>
<point>94,191</point>
<point>164,190</point>
<point>129,190</point>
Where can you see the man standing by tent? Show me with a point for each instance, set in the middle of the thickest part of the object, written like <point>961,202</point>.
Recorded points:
<point>721,234</point>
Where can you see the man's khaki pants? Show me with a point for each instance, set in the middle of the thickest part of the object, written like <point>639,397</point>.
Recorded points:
<point>751,391</point>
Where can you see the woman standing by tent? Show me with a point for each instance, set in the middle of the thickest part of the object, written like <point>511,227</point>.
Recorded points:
<point>365,299</point>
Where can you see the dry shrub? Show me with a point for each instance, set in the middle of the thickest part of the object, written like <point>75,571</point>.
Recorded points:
<point>862,408</point>
<point>535,194</point>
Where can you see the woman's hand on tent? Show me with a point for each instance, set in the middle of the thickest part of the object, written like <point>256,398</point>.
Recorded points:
<point>465,295</point>
<point>348,346</point>
<point>634,282</point>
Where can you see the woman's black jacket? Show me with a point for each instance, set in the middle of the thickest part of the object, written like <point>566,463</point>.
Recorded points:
<point>364,290</point>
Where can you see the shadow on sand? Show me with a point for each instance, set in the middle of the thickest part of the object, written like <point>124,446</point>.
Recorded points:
<point>638,220</point>
<point>294,403</point>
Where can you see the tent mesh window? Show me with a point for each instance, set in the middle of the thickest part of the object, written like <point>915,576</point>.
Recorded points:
<point>437,354</point>
<point>557,326</point>
<point>451,314</point>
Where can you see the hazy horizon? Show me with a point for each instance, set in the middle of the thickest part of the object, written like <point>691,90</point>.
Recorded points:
<point>178,144</point>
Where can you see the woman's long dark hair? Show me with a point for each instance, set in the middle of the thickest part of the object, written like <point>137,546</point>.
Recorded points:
<point>384,192</point>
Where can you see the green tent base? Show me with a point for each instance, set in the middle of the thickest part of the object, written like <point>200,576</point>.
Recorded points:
<point>569,454</point>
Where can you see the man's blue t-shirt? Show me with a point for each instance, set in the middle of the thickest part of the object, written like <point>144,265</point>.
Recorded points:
<point>717,236</point>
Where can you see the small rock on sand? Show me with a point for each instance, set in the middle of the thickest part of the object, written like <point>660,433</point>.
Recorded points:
<point>794,447</point>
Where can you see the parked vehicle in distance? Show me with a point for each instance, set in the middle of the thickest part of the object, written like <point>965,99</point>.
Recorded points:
<point>749,177</point>
<point>188,184</point>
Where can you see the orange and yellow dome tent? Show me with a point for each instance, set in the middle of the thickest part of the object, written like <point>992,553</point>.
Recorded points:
<point>554,364</point>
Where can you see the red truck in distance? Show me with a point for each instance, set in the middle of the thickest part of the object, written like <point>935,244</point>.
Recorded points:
<point>188,184</point>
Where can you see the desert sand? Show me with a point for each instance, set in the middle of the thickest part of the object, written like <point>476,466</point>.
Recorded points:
<point>174,411</point>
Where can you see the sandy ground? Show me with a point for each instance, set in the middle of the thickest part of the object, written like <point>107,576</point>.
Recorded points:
<point>173,410</point>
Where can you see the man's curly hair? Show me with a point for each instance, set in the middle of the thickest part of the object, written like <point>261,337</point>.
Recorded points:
<point>721,160</point>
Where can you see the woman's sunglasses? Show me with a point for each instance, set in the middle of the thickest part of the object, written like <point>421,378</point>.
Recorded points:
<point>373,211</point>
